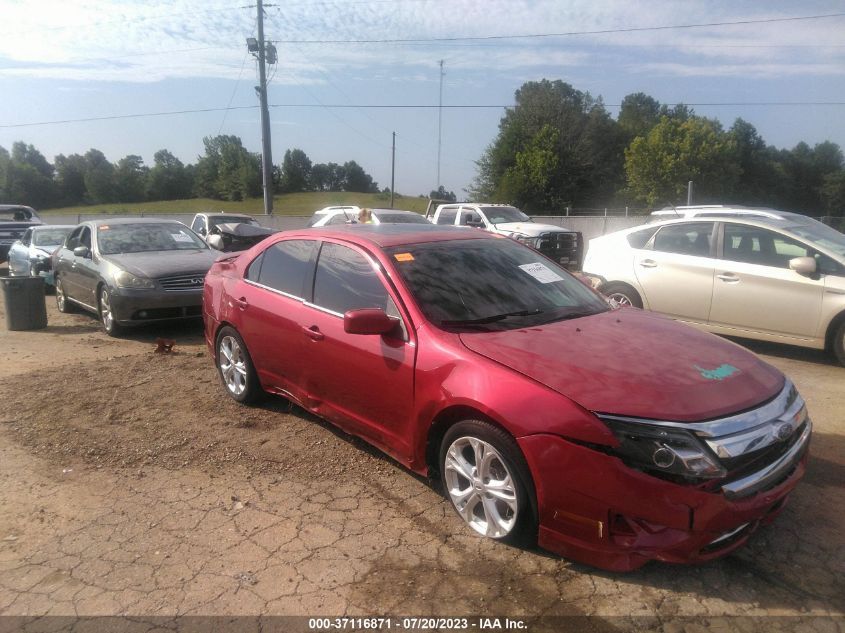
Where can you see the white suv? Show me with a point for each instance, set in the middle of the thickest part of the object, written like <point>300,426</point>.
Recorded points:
<point>714,210</point>
<point>346,215</point>
<point>771,279</point>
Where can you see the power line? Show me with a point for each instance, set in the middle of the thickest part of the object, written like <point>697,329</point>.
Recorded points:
<point>404,106</point>
<point>633,29</point>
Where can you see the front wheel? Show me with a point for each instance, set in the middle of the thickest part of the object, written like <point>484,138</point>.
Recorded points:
<point>107,318</point>
<point>839,343</point>
<point>487,480</point>
<point>234,365</point>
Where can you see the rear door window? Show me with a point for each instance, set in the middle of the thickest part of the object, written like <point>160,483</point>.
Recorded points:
<point>285,266</point>
<point>638,239</point>
<point>447,216</point>
<point>685,239</point>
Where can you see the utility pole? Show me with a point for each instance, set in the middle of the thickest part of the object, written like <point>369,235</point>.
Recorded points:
<point>392,169</point>
<point>439,122</point>
<point>689,193</point>
<point>266,153</point>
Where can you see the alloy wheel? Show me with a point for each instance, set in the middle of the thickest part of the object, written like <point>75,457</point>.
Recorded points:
<point>481,487</point>
<point>106,315</point>
<point>232,365</point>
<point>620,299</point>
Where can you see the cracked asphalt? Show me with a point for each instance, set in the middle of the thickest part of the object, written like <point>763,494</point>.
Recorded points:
<point>130,485</point>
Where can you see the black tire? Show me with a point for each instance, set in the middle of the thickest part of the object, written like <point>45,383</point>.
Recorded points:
<point>839,343</point>
<point>623,294</point>
<point>63,305</point>
<point>106,313</point>
<point>472,486</point>
<point>241,383</point>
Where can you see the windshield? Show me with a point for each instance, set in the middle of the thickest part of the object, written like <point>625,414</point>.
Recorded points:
<point>147,237</point>
<point>400,218</point>
<point>499,215</point>
<point>820,234</point>
<point>50,237</point>
<point>228,219</point>
<point>490,284</point>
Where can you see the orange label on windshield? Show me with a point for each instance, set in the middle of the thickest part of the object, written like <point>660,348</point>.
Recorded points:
<point>105,227</point>
<point>404,257</point>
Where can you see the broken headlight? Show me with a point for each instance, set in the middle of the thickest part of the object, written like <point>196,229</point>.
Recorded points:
<point>663,450</point>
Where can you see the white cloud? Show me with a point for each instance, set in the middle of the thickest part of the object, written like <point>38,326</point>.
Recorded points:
<point>143,41</point>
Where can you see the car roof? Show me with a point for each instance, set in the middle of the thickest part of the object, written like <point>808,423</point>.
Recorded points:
<point>226,214</point>
<point>387,235</point>
<point>47,227</point>
<point>119,221</point>
<point>14,207</point>
<point>395,211</point>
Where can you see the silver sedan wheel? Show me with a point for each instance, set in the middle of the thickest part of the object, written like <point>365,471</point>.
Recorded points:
<point>481,487</point>
<point>232,365</point>
<point>620,299</point>
<point>106,315</point>
<point>60,296</point>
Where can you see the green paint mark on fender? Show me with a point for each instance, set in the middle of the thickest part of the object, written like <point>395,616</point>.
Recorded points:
<point>719,373</point>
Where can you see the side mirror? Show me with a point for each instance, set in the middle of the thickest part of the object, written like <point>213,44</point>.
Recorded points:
<point>81,251</point>
<point>803,265</point>
<point>368,321</point>
<point>216,242</point>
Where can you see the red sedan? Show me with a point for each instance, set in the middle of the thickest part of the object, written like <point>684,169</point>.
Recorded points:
<point>613,436</point>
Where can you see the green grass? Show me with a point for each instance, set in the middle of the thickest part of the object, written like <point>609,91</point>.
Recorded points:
<point>284,204</point>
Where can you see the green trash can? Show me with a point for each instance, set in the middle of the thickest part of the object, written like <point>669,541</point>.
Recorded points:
<point>26,308</point>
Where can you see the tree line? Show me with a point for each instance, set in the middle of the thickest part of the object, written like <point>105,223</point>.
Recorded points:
<point>225,171</point>
<point>559,147</point>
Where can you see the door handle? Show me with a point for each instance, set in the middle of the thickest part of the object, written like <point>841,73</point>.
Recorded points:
<point>313,333</point>
<point>241,303</point>
<point>648,263</point>
<point>730,278</point>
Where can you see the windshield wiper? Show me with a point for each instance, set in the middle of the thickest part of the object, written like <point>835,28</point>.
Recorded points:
<point>492,318</point>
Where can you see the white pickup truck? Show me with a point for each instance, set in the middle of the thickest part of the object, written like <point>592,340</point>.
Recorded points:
<point>555,242</point>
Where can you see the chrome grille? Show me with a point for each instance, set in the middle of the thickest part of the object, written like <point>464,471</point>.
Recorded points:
<point>183,283</point>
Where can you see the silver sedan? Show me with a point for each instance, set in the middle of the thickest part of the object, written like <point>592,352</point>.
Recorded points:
<point>30,255</point>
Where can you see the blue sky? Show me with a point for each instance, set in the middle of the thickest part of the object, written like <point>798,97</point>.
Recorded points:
<point>70,59</point>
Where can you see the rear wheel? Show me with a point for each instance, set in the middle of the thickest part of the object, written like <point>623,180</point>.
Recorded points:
<point>487,480</point>
<point>622,294</point>
<point>235,367</point>
<point>62,302</point>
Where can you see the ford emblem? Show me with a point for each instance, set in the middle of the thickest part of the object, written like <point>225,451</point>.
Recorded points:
<point>783,431</point>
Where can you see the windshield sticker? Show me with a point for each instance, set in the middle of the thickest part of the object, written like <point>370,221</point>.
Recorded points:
<point>105,227</point>
<point>541,273</point>
<point>719,373</point>
<point>404,257</point>
<point>181,237</point>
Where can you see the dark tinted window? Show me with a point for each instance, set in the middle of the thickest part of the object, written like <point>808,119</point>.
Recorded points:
<point>685,239</point>
<point>73,240</point>
<point>345,280</point>
<point>638,239</point>
<point>490,284</point>
<point>85,238</point>
<point>285,266</point>
<point>447,216</point>
<point>754,245</point>
<point>400,218</point>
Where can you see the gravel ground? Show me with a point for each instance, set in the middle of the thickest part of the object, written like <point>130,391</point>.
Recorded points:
<point>130,485</point>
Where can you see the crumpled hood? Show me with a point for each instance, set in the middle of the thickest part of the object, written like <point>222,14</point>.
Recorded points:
<point>635,363</point>
<point>531,229</point>
<point>164,263</point>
